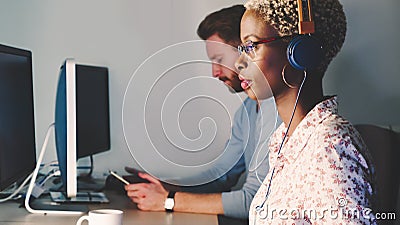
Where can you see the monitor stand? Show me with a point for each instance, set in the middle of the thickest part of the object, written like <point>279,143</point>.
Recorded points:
<point>48,205</point>
<point>84,184</point>
<point>89,191</point>
<point>81,197</point>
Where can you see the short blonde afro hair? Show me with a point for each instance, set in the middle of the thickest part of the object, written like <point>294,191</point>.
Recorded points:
<point>329,19</point>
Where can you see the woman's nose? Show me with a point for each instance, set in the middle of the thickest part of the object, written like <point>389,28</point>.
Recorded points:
<point>241,62</point>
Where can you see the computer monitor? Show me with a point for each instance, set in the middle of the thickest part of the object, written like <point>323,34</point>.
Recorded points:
<point>17,125</point>
<point>82,124</point>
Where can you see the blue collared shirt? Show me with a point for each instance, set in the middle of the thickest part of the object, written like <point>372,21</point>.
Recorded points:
<point>250,135</point>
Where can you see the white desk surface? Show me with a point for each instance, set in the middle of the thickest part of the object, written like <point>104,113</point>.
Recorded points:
<point>11,214</point>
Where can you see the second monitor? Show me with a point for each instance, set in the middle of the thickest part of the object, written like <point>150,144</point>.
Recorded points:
<point>82,121</point>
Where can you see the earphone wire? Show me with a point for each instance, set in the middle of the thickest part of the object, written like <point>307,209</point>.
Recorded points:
<point>251,170</point>
<point>260,207</point>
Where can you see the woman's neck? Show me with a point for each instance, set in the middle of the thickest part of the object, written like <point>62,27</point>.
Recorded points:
<point>307,100</point>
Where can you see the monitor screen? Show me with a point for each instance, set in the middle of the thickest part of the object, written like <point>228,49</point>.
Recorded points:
<point>17,126</point>
<point>82,124</point>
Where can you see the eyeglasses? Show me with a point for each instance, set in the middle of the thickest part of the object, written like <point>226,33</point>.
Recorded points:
<point>250,46</point>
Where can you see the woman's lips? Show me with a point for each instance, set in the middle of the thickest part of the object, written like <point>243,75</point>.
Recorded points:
<point>245,83</point>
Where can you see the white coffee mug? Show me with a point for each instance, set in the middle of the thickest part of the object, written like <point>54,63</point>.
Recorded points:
<point>102,217</point>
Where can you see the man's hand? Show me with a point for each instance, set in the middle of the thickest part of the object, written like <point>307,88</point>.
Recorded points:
<point>148,196</point>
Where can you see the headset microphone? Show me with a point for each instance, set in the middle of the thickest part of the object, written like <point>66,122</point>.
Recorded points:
<point>305,52</point>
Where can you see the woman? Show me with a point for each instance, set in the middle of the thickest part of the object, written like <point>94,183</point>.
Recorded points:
<point>320,172</point>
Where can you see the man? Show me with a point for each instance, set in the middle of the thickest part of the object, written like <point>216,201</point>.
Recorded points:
<point>219,29</point>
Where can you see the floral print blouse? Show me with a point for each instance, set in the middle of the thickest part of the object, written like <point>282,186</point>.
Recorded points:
<point>322,175</point>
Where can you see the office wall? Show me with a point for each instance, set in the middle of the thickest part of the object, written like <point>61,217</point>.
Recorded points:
<point>366,74</point>
<point>123,34</point>
<point>117,34</point>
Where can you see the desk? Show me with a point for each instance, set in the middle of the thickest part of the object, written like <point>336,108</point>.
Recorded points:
<point>11,214</point>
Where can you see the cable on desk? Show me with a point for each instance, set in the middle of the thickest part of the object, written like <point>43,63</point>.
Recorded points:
<point>32,183</point>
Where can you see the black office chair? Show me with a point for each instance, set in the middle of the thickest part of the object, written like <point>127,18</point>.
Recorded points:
<point>384,145</point>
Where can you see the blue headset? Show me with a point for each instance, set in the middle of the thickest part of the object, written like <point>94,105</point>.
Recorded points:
<point>305,52</point>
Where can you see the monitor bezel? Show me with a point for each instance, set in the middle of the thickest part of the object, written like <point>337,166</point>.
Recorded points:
<point>71,128</point>
<point>65,127</point>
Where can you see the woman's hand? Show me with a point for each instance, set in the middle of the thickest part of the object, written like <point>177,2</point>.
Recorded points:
<point>148,196</point>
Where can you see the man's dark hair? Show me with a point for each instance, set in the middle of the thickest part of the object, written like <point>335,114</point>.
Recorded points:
<point>225,23</point>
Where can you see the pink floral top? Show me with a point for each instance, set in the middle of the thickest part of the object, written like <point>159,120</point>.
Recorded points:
<point>322,174</point>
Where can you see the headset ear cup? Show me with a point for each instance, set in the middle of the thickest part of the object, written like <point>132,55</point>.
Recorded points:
<point>304,52</point>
